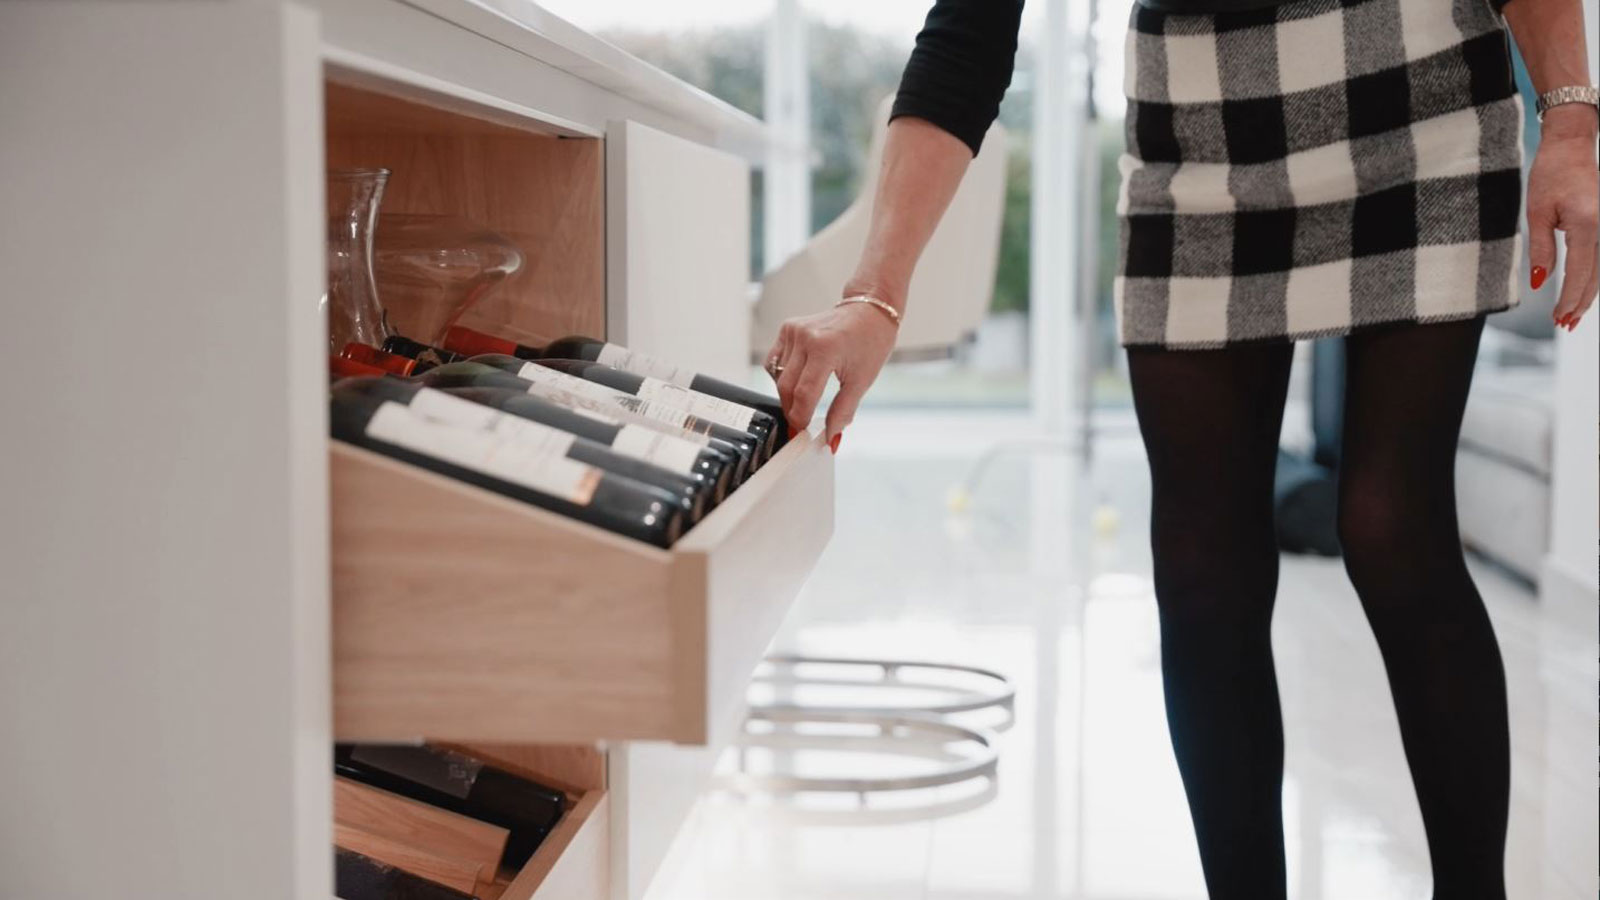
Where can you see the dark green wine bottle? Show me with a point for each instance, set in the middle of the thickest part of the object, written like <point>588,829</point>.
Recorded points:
<point>465,412</point>
<point>677,455</point>
<point>538,475</point>
<point>620,408</point>
<point>731,415</point>
<point>541,373</point>
<point>472,343</point>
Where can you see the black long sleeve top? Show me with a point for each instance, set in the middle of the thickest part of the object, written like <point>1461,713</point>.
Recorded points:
<point>965,53</point>
<point>961,67</point>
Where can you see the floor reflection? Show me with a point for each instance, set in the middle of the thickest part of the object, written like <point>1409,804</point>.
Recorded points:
<point>1045,577</point>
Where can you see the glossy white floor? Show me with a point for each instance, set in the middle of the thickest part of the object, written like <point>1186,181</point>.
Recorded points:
<point>1087,803</point>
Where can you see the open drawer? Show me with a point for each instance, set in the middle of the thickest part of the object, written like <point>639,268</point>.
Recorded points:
<point>572,863</point>
<point>464,854</point>
<point>465,616</point>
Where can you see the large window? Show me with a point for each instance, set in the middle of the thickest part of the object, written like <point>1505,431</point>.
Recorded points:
<point>853,56</point>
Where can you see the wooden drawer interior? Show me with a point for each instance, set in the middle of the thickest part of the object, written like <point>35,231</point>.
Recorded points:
<point>541,188</point>
<point>572,863</point>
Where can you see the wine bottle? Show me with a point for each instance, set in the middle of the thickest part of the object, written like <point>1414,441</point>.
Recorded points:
<point>540,475</point>
<point>463,412</point>
<point>426,356</point>
<point>393,363</point>
<point>572,385</point>
<point>723,412</point>
<point>472,343</point>
<point>357,877</point>
<point>612,399</point>
<point>622,408</point>
<point>649,445</point>
<point>345,367</point>
<point>459,783</point>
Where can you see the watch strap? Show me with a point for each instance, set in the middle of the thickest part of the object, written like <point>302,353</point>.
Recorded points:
<point>1572,93</point>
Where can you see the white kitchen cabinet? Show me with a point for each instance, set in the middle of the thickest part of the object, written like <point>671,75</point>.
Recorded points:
<point>202,592</point>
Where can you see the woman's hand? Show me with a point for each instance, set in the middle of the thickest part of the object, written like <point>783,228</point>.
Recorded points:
<point>922,167</point>
<point>851,341</point>
<point>1563,194</point>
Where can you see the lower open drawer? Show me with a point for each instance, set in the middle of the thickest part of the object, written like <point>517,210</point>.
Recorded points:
<point>462,615</point>
<point>572,862</point>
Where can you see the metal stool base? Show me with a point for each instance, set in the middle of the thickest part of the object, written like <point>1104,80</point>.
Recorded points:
<point>912,728</point>
<point>917,725</point>
<point>1003,696</point>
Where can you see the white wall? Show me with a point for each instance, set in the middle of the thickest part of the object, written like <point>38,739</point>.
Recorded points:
<point>164,648</point>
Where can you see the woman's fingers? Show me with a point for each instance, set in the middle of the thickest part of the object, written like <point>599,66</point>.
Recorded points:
<point>1541,243</point>
<point>1587,302</point>
<point>842,411</point>
<point>1577,282</point>
<point>1562,194</point>
<point>851,341</point>
<point>794,361</point>
<point>806,390</point>
<point>773,363</point>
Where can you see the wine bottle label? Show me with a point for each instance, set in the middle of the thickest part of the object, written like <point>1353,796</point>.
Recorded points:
<point>676,416</point>
<point>571,383</point>
<point>588,413</point>
<point>644,364</point>
<point>705,406</point>
<point>593,406</point>
<point>453,410</point>
<point>601,408</point>
<point>525,465</point>
<point>442,770</point>
<point>673,414</point>
<point>657,448</point>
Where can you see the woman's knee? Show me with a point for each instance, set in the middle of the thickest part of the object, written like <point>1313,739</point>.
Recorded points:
<point>1396,543</point>
<point>1207,572</point>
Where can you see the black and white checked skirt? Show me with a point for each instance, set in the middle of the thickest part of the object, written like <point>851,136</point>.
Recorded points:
<point>1315,168</point>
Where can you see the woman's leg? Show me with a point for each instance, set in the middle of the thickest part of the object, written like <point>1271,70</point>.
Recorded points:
<point>1210,421</point>
<point>1406,389</point>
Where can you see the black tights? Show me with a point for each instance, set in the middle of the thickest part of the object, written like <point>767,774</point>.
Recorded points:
<point>1210,421</point>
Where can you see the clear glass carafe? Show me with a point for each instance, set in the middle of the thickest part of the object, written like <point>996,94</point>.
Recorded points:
<point>353,311</point>
<point>432,269</point>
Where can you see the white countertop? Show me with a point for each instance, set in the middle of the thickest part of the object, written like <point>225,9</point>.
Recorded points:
<point>529,28</point>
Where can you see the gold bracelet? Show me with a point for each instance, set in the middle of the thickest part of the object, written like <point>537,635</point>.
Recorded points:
<point>891,312</point>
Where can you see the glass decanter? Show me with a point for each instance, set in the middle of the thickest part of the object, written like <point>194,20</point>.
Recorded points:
<point>432,269</point>
<point>353,311</point>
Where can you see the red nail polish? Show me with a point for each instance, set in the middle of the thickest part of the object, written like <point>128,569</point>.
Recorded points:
<point>1537,277</point>
<point>834,444</point>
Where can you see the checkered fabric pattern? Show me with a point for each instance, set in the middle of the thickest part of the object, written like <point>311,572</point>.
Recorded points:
<point>1316,167</point>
